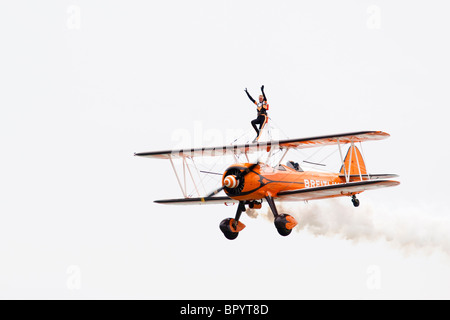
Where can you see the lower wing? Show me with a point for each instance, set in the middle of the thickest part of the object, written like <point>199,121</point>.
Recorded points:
<point>336,190</point>
<point>211,200</point>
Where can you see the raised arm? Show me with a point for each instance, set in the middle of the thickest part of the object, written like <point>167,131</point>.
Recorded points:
<point>264,95</point>
<point>249,96</point>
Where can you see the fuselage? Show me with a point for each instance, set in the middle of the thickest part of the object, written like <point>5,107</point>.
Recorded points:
<point>265,180</point>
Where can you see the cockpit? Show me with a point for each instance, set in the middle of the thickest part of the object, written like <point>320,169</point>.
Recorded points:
<point>290,164</point>
<point>294,165</point>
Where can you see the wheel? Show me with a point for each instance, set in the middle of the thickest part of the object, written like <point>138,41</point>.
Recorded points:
<point>230,232</point>
<point>355,202</point>
<point>284,224</point>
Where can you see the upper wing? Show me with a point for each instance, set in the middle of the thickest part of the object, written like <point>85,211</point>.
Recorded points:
<point>336,190</point>
<point>376,176</point>
<point>301,143</point>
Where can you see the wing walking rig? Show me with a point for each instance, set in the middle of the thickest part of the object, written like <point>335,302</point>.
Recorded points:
<point>249,184</point>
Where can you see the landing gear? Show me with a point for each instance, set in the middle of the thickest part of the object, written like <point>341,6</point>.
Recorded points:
<point>231,227</point>
<point>283,222</point>
<point>355,201</point>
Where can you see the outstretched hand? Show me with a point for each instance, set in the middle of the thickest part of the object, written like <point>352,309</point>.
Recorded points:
<point>262,88</point>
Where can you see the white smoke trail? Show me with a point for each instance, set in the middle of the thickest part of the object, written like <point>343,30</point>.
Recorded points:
<point>409,229</point>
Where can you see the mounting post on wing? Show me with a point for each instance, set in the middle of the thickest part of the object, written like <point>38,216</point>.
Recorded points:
<point>269,155</point>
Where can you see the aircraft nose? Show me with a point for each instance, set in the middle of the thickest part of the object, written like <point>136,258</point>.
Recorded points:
<point>230,182</point>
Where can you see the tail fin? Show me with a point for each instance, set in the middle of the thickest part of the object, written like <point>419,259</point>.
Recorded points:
<point>354,163</point>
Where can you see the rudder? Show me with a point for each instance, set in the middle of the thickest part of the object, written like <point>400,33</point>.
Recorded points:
<point>354,163</point>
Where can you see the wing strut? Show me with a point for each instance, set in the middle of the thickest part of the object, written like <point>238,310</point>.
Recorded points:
<point>189,171</point>
<point>178,178</point>
<point>284,155</point>
<point>342,161</point>
<point>350,163</point>
<point>357,162</point>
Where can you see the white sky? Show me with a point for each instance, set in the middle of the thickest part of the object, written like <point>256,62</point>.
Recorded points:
<point>85,84</point>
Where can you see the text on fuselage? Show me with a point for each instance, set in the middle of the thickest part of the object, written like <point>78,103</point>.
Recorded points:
<point>309,183</point>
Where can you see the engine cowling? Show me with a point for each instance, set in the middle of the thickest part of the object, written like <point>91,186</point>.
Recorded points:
<point>232,184</point>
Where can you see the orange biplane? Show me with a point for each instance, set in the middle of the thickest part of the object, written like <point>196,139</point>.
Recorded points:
<point>249,184</point>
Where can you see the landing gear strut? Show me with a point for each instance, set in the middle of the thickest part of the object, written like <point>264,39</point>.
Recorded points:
<point>283,222</point>
<point>355,201</point>
<point>231,227</point>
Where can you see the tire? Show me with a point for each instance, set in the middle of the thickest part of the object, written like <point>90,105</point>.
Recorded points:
<point>280,223</point>
<point>231,235</point>
<point>225,228</point>
<point>284,232</point>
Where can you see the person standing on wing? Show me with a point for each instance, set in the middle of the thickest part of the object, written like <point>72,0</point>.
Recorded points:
<point>262,106</point>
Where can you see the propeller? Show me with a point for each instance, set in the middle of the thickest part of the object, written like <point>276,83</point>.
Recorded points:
<point>239,176</point>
